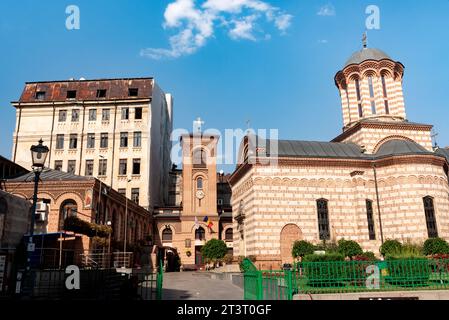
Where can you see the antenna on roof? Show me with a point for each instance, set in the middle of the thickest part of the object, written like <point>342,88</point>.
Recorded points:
<point>365,40</point>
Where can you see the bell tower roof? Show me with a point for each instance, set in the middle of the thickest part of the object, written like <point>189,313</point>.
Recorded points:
<point>367,54</point>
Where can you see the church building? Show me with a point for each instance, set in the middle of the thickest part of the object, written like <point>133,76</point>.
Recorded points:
<point>380,179</point>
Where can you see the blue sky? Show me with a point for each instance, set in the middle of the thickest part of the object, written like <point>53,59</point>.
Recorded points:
<point>248,67</point>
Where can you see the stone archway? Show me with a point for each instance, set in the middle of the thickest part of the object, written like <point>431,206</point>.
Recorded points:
<point>289,234</point>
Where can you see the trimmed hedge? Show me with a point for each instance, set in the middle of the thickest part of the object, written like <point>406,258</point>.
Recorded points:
<point>390,247</point>
<point>349,248</point>
<point>435,246</point>
<point>302,248</point>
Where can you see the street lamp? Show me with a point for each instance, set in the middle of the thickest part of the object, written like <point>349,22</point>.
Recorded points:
<point>109,224</point>
<point>126,223</point>
<point>38,155</point>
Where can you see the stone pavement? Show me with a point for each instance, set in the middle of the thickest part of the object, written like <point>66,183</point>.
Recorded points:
<point>198,286</point>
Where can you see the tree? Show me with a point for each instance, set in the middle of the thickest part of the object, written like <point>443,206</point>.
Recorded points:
<point>302,248</point>
<point>214,250</point>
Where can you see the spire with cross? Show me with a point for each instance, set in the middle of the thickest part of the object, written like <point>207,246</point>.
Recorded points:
<point>365,40</point>
<point>197,125</point>
<point>434,138</point>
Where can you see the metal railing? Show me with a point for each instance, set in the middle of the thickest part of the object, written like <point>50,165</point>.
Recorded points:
<point>347,277</point>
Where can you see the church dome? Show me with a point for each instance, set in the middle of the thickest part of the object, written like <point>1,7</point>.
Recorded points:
<point>367,54</point>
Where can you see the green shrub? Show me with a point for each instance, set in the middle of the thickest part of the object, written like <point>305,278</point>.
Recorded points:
<point>214,250</point>
<point>329,257</point>
<point>328,247</point>
<point>349,248</point>
<point>228,258</point>
<point>390,247</point>
<point>435,246</point>
<point>302,248</point>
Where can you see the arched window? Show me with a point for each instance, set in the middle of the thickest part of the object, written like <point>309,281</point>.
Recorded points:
<point>371,94</point>
<point>359,97</point>
<point>200,234</point>
<point>370,216</point>
<point>430,217</point>
<point>229,235</point>
<point>199,158</point>
<point>167,235</point>
<point>68,208</point>
<point>199,184</point>
<point>384,89</point>
<point>323,220</point>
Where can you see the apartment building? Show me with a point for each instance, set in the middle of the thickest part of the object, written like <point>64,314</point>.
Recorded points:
<point>117,130</point>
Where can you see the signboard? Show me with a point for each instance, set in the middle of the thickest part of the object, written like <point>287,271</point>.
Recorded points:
<point>2,271</point>
<point>88,199</point>
<point>31,247</point>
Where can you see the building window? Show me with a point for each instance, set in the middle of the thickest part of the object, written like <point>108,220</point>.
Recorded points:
<point>105,114</point>
<point>137,139</point>
<point>104,140</point>
<point>167,235</point>
<point>133,92</point>
<point>122,167</point>
<point>323,219</point>
<point>60,141</point>
<point>200,234</point>
<point>384,88</point>
<point>102,168</point>
<point>71,166</point>
<point>220,202</point>
<point>125,113</point>
<point>136,166</point>
<point>40,95</point>
<point>370,216</point>
<point>93,115</point>
<point>58,165</point>
<point>73,141</point>
<point>122,191</point>
<point>229,235</point>
<point>89,168</point>
<point>123,139</point>
<point>431,222</point>
<point>138,114</point>
<point>71,94</point>
<point>75,115</point>
<point>101,93</point>
<point>371,94</point>
<point>69,208</point>
<point>359,97</point>
<point>90,140</point>
<point>199,158</point>
<point>62,115</point>
<point>135,195</point>
<point>199,184</point>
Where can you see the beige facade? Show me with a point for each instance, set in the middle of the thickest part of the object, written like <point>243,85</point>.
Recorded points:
<point>329,191</point>
<point>195,191</point>
<point>116,130</point>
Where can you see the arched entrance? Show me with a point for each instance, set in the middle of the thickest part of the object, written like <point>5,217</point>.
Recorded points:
<point>289,234</point>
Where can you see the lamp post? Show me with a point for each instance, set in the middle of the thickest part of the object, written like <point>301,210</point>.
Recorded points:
<point>109,224</point>
<point>38,155</point>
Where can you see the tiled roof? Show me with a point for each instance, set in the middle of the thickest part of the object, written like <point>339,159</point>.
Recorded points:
<point>51,175</point>
<point>367,54</point>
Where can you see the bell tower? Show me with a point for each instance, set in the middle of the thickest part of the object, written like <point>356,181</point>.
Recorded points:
<point>199,174</point>
<point>372,101</point>
<point>370,86</point>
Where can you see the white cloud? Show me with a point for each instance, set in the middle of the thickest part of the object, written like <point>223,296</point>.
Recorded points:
<point>196,22</point>
<point>323,41</point>
<point>327,10</point>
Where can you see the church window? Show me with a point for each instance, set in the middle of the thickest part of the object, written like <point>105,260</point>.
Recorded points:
<point>359,97</point>
<point>167,235</point>
<point>431,222</point>
<point>369,213</point>
<point>199,158</point>
<point>384,88</point>
<point>199,183</point>
<point>323,219</point>
<point>371,94</point>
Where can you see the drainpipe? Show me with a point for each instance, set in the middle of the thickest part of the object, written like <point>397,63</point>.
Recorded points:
<point>378,204</point>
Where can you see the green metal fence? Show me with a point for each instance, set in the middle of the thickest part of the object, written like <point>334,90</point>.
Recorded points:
<point>346,277</point>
